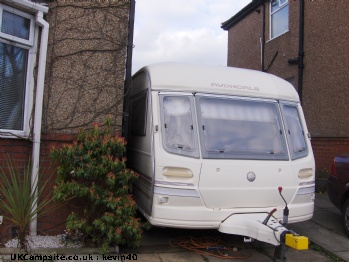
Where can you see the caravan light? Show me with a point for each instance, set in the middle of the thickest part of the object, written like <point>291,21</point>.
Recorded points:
<point>177,172</point>
<point>305,173</point>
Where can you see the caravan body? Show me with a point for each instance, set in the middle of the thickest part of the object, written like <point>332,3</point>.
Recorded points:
<point>212,146</point>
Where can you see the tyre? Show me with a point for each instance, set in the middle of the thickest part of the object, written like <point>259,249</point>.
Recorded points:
<point>345,216</point>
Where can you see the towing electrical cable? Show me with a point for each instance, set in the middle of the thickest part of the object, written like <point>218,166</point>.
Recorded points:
<point>211,246</point>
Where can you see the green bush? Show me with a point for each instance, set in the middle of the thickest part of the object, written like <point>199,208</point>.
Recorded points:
<point>93,171</point>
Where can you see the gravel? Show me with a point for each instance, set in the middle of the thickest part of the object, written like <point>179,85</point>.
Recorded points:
<point>58,241</point>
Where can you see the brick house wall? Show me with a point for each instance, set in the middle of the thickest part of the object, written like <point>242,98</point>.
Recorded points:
<point>325,77</point>
<point>84,83</point>
<point>53,223</point>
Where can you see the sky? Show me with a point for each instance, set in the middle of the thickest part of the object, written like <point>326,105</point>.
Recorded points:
<point>182,31</point>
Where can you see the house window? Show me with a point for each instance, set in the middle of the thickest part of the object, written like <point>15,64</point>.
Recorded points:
<point>279,10</point>
<point>16,45</point>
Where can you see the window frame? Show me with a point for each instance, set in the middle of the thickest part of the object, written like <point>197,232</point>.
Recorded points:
<point>238,155</point>
<point>271,13</point>
<point>138,126</point>
<point>31,46</point>
<point>180,151</point>
<point>13,38</point>
<point>294,155</point>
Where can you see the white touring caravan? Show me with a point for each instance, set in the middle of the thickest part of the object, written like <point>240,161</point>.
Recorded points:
<point>219,147</point>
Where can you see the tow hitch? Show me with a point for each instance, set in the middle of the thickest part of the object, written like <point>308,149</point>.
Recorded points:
<point>266,229</point>
<point>288,238</point>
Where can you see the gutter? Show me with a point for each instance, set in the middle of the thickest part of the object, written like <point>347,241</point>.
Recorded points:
<point>28,5</point>
<point>242,14</point>
<point>38,109</point>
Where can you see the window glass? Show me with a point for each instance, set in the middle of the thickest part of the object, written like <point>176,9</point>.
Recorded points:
<point>16,50</point>
<point>279,13</point>
<point>178,122</point>
<point>15,25</point>
<point>13,71</point>
<point>295,133</point>
<point>233,128</point>
<point>274,5</point>
<point>138,114</point>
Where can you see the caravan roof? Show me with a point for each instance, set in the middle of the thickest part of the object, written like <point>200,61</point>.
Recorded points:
<point>219,80</point>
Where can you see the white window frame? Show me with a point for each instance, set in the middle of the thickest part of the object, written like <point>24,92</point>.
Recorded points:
<point>236,154</point>
<point>30,45</point>
<point>192,152</point>
<point>28,42</point>
<point>281,4</point>
<point>291,141</point>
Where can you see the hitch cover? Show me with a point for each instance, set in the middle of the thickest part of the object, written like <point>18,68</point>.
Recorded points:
<point>251,225</point>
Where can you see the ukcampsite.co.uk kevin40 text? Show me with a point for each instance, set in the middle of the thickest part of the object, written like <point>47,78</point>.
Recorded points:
<point>87,257</point>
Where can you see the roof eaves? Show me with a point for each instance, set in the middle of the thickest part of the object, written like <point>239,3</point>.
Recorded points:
<point>242,14</point>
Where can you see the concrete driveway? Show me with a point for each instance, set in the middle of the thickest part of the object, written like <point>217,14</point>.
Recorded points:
<point>325,230</point>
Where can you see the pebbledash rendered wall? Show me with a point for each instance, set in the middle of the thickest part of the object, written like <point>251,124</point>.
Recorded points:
<point>325,96</point>
<point>84,84</point>
<point>86,64</point>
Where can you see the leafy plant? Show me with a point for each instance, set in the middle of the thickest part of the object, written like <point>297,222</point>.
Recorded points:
<point>93,170</point>
<point>322,173</point>
<point>19,201</point>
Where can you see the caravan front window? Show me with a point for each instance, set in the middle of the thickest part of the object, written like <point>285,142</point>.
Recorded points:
<point>178,124</point>
<point>294,131</point>
<point>239,128</point>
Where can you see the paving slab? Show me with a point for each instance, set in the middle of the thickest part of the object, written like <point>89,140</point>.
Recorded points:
<point>325,228</point>
<point>192,256</point>
<point>301,255</point>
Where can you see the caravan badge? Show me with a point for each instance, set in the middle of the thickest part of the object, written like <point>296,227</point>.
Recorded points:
<point>251,88</point>
<point>251,176</point>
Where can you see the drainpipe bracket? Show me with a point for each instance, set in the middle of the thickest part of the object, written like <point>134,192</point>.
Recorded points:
<point>293,61</point>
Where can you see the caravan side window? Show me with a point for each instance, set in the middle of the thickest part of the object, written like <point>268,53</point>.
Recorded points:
<point>138,113</point>
<point>178,124</point>
<point>295,132</point>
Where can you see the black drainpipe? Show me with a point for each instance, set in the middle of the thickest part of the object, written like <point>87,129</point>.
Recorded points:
<point>301,49</point>
<point>300,59</point>
<point>263,38</point>
<point>128,75</point>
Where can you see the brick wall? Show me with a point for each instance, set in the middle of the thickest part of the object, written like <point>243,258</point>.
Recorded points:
<point>52,223</point>
<point>325,76</point>
<point>325,149</point>
<point>19,150</point>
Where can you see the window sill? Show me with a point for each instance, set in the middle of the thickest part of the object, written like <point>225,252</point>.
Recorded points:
<point>278,36</point>
<point>11,134</point>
